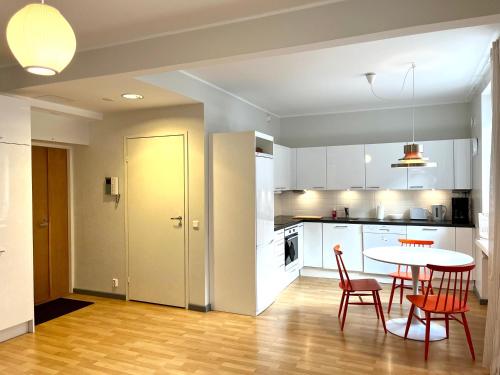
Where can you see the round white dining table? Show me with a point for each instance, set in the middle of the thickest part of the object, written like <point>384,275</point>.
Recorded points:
<point>416,257</point>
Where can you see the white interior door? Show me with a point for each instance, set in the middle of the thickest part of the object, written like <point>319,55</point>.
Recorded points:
<point>155,198</point>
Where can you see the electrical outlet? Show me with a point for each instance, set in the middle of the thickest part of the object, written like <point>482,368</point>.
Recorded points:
<point>115,283</point>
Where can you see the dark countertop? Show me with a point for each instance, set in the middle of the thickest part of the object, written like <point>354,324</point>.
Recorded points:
<point>283,221</point>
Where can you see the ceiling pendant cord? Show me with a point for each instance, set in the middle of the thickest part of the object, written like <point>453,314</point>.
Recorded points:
<point>371,78</point>
<point>413,102</point>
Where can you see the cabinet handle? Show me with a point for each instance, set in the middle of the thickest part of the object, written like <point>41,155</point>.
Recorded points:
<point>386,229</point>
<point>341,226</point>
<point>373,187</point>
<point>416,187</point>
<point>2,251</point>
<point>356,187</point>
<point>280,188</point>
<point>430,229</point>
<point>318,187</point>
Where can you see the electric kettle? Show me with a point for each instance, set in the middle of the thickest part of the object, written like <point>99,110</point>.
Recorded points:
<point>438,212</point>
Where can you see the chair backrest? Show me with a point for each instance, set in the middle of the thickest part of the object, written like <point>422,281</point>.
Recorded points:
<point>415,243</point>
<point>344,276</point>
<point>450,285</point>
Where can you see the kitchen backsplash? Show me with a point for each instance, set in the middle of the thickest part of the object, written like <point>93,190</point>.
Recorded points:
<point>360,203</point>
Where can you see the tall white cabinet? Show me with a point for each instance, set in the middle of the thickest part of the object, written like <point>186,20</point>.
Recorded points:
<point>243,253</point>
<point>16,241</point>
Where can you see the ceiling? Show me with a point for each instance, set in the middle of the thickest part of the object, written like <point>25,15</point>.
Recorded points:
<point>99,23</point>
<point>448,65</point>
<point>103,94</point>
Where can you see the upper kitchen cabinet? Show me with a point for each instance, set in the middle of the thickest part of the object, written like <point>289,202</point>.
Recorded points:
<point>15,123</point>
<point>284,168</point>
<point>440,177</point>
<point>379,174</point>
<point>462,155</point>
<point>345,167</point>
<point>311,168</point>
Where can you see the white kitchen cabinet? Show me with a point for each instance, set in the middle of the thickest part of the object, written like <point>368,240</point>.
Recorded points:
<point>349,237</point>
<point>345,167</point>
<point>282,168</point>
<point>462,163</point>
<point>379,174</point>
<point>279,262</point>
<point>464,241</point>
<point>443,237</point>
<point>311,168</point>
<point>16,241</point>
<point>440,177</point>
<point>16,114</point>
<point>313,244</point>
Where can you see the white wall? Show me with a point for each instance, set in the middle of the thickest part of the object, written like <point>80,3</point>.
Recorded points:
<point>377,126</point>
<point>100,251</point>
<point>59,127</point>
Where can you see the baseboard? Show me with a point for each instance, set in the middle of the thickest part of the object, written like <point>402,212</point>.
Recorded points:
<point>482,301</point>
<point>200,308</point>
<point>18,330</point>
<point>99,294</point>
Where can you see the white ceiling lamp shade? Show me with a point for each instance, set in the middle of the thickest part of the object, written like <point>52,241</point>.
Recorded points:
<point>41,39</point>
<point>412,152</point>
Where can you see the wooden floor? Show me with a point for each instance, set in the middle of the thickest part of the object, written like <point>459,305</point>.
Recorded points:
<point>299,334</point>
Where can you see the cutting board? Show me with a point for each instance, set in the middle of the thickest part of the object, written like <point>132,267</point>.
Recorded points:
<point>307,217</point>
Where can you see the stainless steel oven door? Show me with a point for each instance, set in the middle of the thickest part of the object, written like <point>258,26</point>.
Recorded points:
<point>291,250</point>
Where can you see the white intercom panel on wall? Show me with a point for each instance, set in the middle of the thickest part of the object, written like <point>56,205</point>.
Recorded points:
<point>112,187</point>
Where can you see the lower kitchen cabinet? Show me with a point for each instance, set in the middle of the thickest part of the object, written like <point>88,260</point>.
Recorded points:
<point>349,237</point>
<point>443,237</point>
<point>313,245</point>
<point>464,241</point>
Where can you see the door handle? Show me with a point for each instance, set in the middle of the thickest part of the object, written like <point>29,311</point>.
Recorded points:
<point>177,218</point>
<point>2,251</point>
<point>44,224</point>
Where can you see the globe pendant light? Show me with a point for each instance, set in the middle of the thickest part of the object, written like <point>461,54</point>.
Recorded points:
<point>413,151</point>
<point>41,39</point>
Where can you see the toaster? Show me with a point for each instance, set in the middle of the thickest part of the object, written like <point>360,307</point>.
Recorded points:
<point>418,213</point>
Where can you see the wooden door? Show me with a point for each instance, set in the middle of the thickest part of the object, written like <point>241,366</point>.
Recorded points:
<point>50,223</point>
<point>155,213</point>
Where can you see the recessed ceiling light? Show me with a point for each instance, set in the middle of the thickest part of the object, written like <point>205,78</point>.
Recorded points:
<point>131,96</point>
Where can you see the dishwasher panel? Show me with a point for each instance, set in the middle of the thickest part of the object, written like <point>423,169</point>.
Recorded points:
<point>376,240</point>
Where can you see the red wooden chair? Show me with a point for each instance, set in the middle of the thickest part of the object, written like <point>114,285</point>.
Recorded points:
<point>357,288</point>
<point>405,274</point>
<point>449,301</point>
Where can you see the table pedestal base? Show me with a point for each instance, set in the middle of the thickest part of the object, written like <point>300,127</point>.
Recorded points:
<point>417,330</point>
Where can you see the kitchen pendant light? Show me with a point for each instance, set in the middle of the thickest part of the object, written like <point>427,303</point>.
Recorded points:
<point>41,39</point>
<point>413,152</point>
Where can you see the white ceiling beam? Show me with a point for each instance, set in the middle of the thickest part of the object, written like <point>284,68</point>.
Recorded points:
<point>318,27</point>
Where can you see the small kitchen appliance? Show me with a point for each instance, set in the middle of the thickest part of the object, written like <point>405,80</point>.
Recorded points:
<point>418,213</point>
<point>380,212</point>
<point>460,210</point>
<point>438,212</point>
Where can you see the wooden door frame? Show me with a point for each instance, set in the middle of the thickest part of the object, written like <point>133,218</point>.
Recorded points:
<point>187,217</point>
<point>71,221</point>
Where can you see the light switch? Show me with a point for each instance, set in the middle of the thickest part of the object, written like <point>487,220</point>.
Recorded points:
<point>196,224</point>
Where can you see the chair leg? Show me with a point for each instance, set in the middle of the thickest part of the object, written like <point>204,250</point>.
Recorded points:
<point>427,333</point>
<point>410,318</point>
<point>469,338</point>
<point>401,292</point>
<point>422,287</point>
<point>346,303</point>
<point>375,304</point>
<point>447,322</point>
<point>379,304</point>
<point>393,289</point>
<point>341,303</point>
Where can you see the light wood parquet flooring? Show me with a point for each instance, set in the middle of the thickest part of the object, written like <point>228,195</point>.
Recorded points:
<point>299,334</point>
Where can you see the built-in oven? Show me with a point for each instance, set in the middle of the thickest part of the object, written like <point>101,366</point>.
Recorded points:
<point>291,247</point>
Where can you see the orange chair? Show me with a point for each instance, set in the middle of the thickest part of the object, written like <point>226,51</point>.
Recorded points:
<point>357,288</point>
<point>448,302</point>
<point>406,274</point>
